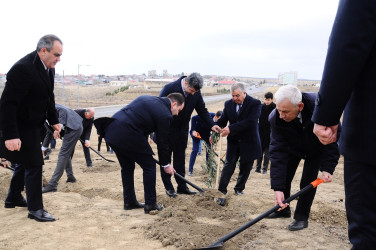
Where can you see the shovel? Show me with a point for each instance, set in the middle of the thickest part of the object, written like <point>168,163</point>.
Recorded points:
<point>190,183</point>
<point>10,168</point>
<point>185,180</point>
<point>97,152</point>
<point>219,244</point>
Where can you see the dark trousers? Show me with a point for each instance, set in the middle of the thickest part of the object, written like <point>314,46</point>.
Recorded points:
<point>178,144</point>
<point>86,153</point>
<point>100,142</point>
<point>127,162</point>
<point>310,171</point>
<point>195,149</point>
<point>265,153</point>
<point>360,186</point>
<point>29,176</point>
<point>232,156</point>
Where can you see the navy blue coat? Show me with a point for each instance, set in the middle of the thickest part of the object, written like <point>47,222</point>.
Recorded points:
<point>202,128</point>
<point>132,125</point>
<point>192,102</point>
<point>244,129</point>
<point>290,139</point>
<point>348,81</point>
<point>27,101</point>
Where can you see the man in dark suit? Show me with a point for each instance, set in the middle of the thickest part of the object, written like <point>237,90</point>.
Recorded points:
<point>128,135</point>
<point>27,101</point>
<point>292,140</point>
<point>264,130</point>
<point>87,116</point>
<point>348,85</point>
<point>71,123</point>
<point>189,87</point>
<point>242,113</point>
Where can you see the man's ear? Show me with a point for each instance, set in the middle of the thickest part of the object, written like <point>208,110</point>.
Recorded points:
<point>301,106</point>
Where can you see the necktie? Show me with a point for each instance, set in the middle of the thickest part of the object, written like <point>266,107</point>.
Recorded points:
<point>48,74</point>
<point>239,107</point>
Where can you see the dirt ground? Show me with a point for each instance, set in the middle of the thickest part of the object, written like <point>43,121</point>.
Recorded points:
<point>90,212</point>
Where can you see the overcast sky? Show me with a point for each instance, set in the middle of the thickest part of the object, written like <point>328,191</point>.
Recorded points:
<point>257,38</point>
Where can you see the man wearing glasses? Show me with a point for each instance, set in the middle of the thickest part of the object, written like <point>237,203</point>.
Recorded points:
<point>27,101</point>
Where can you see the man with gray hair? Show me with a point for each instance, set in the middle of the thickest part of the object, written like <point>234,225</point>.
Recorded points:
<point>291,140</point>
<point>27,101</point>
<point>189,87</point>
<point>242,113</point>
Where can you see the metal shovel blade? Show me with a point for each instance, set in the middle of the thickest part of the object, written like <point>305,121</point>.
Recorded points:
<point>218,244</point>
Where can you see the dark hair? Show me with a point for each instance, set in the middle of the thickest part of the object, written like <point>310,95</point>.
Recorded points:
<point>219,113</point>
<point>268,95</point>
<point>195,81</point>
<point>176,97</point>
<point>47,42</point>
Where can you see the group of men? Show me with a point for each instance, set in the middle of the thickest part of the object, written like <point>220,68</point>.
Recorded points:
<point>303,126</point>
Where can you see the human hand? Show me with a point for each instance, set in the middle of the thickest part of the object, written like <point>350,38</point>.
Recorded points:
<point>87,144</point>
<point>216,129</point>
<point>279,197</point>
<point>56,134</point>
<point>4,163</point>
<point>225,131</point>
<point>326,134</point>
<point>169,170</point>
<point>326,177</point>
<point>57,127</point>
<point>13,144</point>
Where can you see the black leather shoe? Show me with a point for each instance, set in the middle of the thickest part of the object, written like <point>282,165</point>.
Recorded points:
<point>238,192</point>
<point>149,208</point>
<point>298,225</point>
<point>221,201</point>
<point>40,215</point>
<point>186,191</point>
<point>49,188</point>
<point>258,170</point>
<point>264,171</point>
<point>133,205</point>
<point>285,213</point>
<point>71,179</point>
<point>12,204</point>
<point>171,193</point>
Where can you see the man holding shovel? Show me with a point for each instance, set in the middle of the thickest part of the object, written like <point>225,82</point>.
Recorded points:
<point>292,139</point>
<point>127,134</point>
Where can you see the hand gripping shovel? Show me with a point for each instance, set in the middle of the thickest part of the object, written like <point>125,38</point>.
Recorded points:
<point>97,152</point>
<point>10,168</point>
<point>218,244</point>
<point>185,180</point>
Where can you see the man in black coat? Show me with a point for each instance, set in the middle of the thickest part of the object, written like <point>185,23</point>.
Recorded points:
<point>87,116</point>
<point>27,101</point>
<point>189,87</point>
<point>242,113</point>
<point>128,135</point>
<point>292,140</point>
<point>348,86</point>
<point>264,130</point>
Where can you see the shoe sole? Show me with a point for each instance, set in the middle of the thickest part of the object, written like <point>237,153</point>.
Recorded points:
<point>35,218</point>
<point>296,229</point>
<point>13,206</point>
